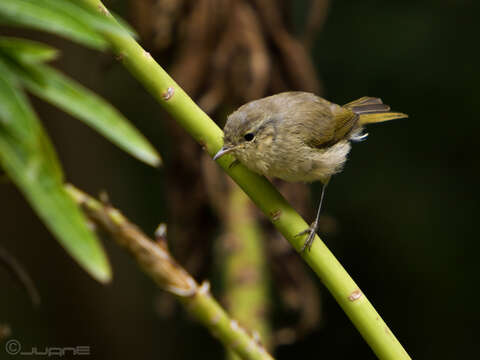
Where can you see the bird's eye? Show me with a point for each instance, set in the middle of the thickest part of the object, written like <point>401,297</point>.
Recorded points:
<point>248,136</point>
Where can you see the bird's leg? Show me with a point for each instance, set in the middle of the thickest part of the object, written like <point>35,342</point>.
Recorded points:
<point>312,230</point>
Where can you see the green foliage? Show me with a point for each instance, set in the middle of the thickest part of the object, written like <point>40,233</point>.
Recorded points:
<point>67,18</point>
<point>26,153</point>
<point>27,51</point>
<point>27,156</point>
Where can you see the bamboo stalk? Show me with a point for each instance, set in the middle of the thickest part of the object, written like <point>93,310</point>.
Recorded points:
<point>243,266</point>
<point>176,102</point>
<point>156,261</point>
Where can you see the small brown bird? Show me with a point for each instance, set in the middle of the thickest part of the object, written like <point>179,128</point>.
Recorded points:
<point>298,136</point>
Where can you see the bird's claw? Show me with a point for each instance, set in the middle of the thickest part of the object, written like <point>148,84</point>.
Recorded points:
<point>311,231</point>
<point>233,163</point>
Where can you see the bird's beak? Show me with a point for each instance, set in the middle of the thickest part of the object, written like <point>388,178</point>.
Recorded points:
<point>224,150</point>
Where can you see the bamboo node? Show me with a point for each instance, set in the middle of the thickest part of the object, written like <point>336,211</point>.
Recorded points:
<point>275,215</point>
<point>355,295</point>
<point>167,95</point>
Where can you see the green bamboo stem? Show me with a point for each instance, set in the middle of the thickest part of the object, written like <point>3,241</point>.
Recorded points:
<point>176,102</point>
<point>243,267</point>
<point>156,261</point>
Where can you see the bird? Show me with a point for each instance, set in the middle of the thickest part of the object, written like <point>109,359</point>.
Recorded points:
<point>298,136</point>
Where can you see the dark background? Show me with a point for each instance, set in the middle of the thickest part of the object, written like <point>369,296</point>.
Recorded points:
<point>405,204</point>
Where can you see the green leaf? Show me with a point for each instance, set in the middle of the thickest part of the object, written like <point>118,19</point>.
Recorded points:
<point>66,18</point>
<point>38,16</point>
<point>27,50</point>
<point>22,128</point>
<point>30,162</point>
<point>98,20</point>
<point>80,102</point>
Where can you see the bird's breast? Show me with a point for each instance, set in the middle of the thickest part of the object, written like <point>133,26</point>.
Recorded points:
<point>298,163</point>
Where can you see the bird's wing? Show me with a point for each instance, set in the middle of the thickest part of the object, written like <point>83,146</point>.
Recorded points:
<point>344,120</point>
<point>333,127</point>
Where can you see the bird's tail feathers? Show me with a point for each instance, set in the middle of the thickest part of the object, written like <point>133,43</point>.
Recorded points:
<point>372,110</point>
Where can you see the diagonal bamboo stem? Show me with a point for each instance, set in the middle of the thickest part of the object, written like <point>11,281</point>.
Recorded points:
<point>156,261</point>
<point>176,102</point>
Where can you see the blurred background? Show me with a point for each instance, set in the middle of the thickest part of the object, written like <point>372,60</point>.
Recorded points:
<point>400,218</point>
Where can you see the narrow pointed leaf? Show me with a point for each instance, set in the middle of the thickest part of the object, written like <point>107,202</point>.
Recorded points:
<point>28,159</point>
<point>27,50</point>
<point>80,102</point>
<point>95,19</point>
<point>22,128</point>
<point>67,18</point>
<point>36,15</point>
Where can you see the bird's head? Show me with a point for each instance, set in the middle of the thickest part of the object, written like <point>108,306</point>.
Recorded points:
<point>247,129</point>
